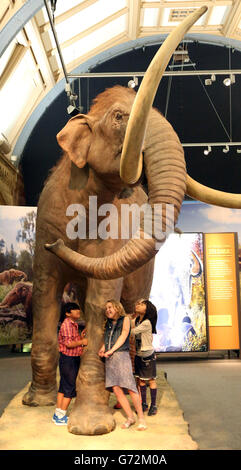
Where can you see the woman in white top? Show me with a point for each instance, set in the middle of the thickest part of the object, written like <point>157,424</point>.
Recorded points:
<point>143,328</point>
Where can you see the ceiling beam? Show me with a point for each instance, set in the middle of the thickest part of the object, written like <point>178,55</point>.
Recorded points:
<point>17,22</point>
<point>68,14</point>
<point>16,57</point>
<point>40,52</point>
<point>200,29</point>
<point>207,17</point>
<point>94,52</point>
<point>134,7</point>
<point>90,30</point>
<point>184,5</point>
<point>181,73</point>
<point>231,25</point>
<point>8,8</point>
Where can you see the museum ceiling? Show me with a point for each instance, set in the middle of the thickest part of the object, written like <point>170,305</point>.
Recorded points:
<point>103,43</point>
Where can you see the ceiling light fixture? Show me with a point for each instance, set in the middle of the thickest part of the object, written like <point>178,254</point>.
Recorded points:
<point>209,81</point>
<point>133,83</point>
<point>238,150</point>
<point>229,80</point>
<point>207,151</point>
<point>226,149</point>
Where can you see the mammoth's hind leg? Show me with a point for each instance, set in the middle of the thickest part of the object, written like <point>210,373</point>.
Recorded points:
<point>91,414</point>
<point>47,293</point>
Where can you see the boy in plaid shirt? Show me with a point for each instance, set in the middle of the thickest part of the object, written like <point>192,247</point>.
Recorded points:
<point>71,345</point>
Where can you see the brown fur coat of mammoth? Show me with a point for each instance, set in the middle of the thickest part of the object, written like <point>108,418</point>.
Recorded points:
<point>103,158</point>
<point>12,275</point>
<point>20,294</point>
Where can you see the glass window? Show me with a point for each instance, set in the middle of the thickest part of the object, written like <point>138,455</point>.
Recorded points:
<point>149,17</point>
<point>218,15</point>
<point>18,95</point>
<point>95,39</point>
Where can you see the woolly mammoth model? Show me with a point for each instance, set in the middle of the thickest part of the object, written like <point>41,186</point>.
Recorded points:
<point>103,160</point>
<point>11,275</point>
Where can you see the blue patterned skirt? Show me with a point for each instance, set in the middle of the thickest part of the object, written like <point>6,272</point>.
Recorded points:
<point>118,371</point>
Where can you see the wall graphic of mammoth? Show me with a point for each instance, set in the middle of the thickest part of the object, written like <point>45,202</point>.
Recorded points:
<point>11,275</point>
<point>20,294</point>
<point>97,161</point>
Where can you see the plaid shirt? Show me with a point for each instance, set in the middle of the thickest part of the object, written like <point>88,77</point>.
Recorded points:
<point>69,332</point>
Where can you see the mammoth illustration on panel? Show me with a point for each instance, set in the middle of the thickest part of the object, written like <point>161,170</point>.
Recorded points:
<point>105,155</point>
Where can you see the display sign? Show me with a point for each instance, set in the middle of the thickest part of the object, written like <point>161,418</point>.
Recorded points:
<point>178,292</point>
<point>222,290</point>
<point>17,243</point>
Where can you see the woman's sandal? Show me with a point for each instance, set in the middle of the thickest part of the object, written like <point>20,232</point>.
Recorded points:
<point>142,425</point>
<point>129,422</point>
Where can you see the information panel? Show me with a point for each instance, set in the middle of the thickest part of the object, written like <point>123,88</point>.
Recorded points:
<point>222,290</point>
<point>179,295</point>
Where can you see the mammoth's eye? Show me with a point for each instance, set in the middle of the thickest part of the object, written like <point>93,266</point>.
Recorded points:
<point>118,116</point>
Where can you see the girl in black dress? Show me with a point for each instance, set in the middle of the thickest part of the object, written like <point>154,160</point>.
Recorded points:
<point>143,327</point>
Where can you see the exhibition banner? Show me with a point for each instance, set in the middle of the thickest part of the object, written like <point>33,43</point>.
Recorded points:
<point>222,290</point>
<point>178,292</point>
<point>217,223</point>
<point>17,244</point>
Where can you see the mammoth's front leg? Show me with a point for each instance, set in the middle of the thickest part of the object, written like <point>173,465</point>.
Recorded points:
<point>91,414</point>
<point>44,355</point>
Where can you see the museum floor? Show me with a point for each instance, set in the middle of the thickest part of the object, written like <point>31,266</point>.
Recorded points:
<point>208,391</point>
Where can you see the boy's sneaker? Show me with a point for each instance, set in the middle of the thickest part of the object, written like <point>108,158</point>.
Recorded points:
<point>60,421</point>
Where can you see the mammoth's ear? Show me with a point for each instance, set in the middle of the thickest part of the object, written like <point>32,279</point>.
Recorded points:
<point>75,138</point>
<point>78,177</point>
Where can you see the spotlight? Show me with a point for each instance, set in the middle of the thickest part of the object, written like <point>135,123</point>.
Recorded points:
<point>226,149</point>
<point>207,151</point>
<point>229,80</point>
<point>209,81</point>
<point>72,110</point>
<point>133,83</point>
<point>238,150</point>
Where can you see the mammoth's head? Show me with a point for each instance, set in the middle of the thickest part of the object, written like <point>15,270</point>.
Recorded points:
<point>99,133</point>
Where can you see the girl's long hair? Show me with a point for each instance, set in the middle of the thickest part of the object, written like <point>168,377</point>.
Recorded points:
<point>118,306</point>
<point>151,313</point>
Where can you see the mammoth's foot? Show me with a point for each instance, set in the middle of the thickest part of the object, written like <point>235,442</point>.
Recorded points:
<point>91,421</point>
<point>35,397</point>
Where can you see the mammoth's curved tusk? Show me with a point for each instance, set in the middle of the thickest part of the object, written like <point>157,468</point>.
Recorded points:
<point>212,196</point>
<point>130,165</point>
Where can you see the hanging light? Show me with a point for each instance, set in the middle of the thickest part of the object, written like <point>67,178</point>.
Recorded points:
<point>226,149</point>
<point>209,81</point>
<point>229,80</point>
<point>133,83</point>
<point>207,151</point>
